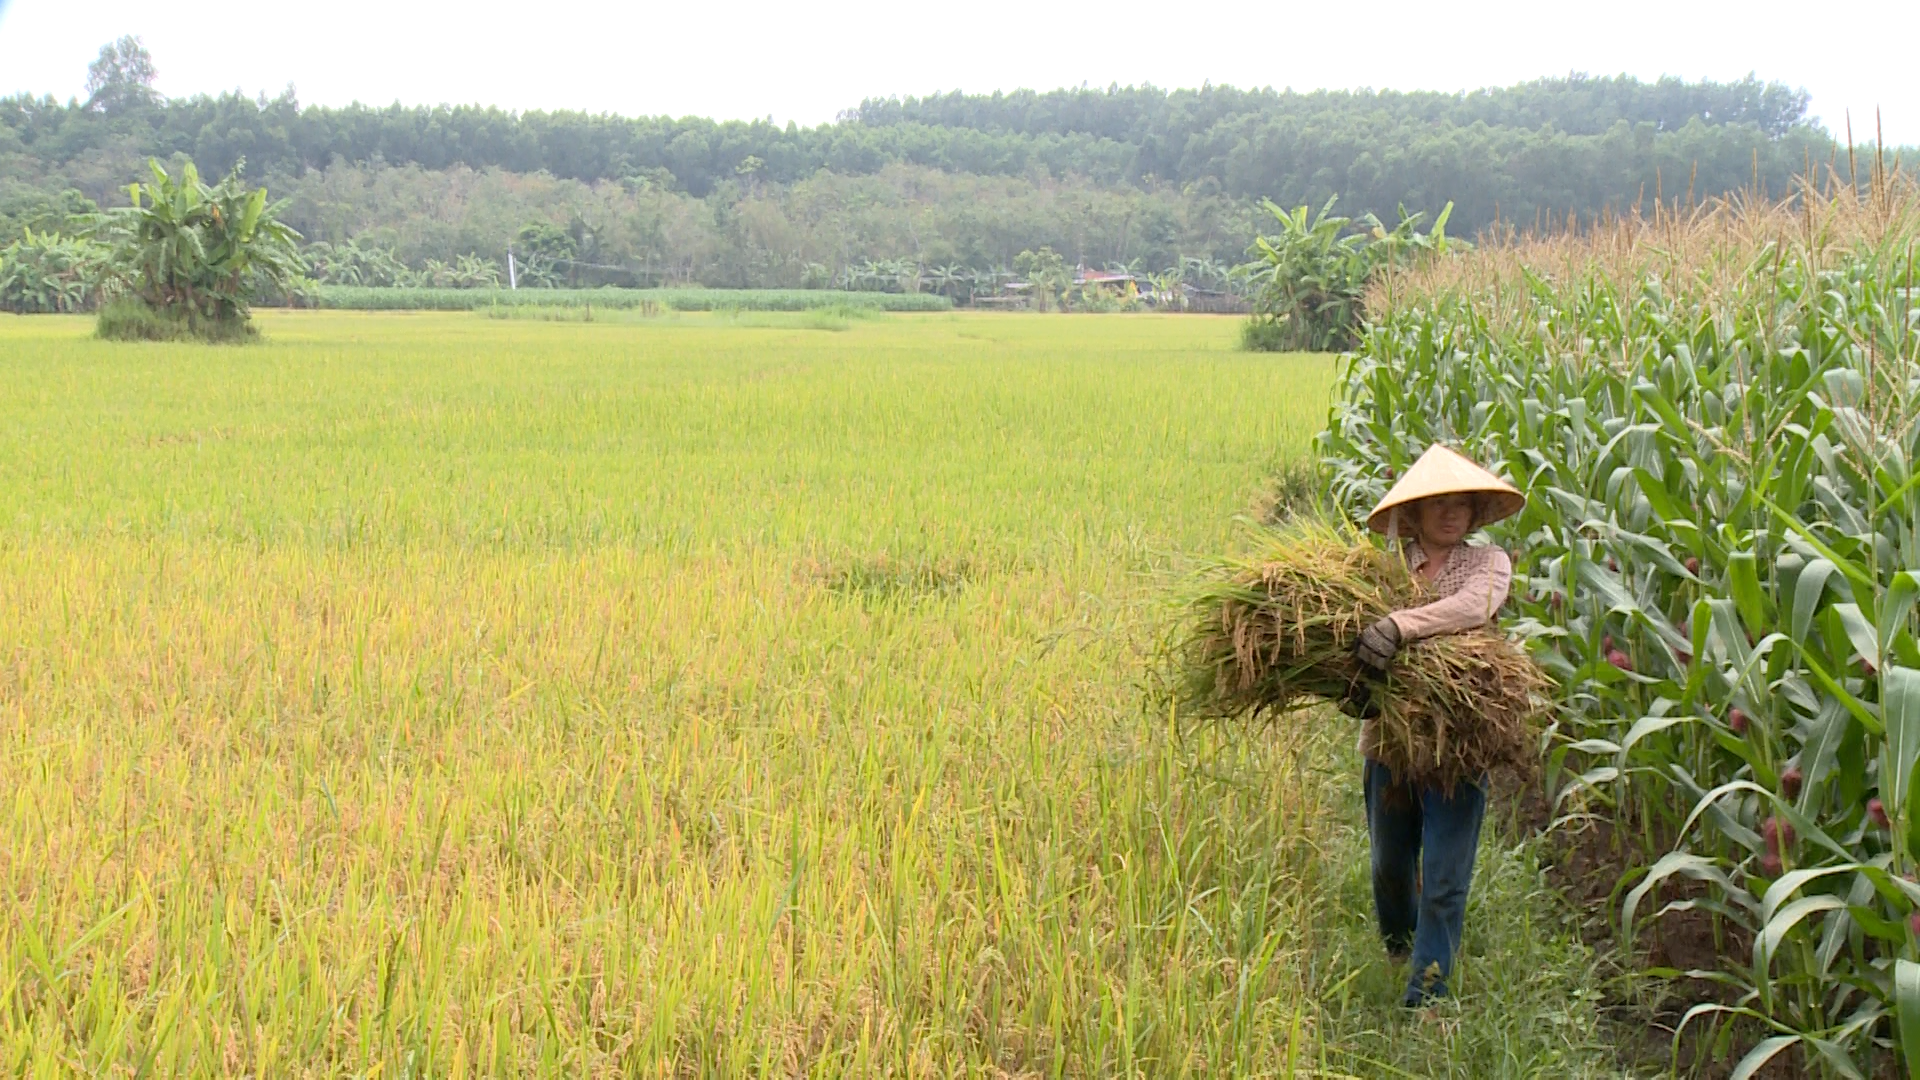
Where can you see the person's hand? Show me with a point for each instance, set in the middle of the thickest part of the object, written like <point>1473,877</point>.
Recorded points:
<point>1377,646</point>
<point>1358,701</point>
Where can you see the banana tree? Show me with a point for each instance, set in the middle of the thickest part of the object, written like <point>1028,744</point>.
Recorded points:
<point>1046,271</point>
<point>951,280</point>
<point>1309,278</point>
<point>199,252</point>
<point>1203,272</point>
<point>470,271</point>
<point>866,276</point>
<point>351,262</point>
<point>45,274</point>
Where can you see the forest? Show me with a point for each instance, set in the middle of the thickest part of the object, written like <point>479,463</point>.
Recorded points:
<point>1136,176</point>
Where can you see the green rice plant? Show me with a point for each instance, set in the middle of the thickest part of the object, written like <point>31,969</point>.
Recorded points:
<point>1717,418</point>
<point>569,313</point>
<point>356,298</point>
<point>836,318</point>
<point>439,695</point>
<point>1295,487</point>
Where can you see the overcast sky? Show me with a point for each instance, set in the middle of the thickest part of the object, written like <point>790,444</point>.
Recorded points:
<point>807,61</point>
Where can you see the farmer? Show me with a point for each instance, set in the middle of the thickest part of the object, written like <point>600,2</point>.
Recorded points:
<point>1424,839</point>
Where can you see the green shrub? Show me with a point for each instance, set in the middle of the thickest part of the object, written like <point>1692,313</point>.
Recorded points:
<point>838,316</point>
<point>1266,335</point>
<point>129,318</point>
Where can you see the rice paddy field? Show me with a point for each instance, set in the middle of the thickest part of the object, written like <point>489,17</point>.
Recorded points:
<point>437,695</point>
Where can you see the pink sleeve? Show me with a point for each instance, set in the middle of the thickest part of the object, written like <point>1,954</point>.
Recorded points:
<point>1474,605</point>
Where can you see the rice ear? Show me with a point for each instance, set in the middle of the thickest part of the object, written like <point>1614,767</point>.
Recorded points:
<point>1275,630</point>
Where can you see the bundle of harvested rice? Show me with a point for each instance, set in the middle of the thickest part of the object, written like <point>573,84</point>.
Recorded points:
<point>1275,632</point>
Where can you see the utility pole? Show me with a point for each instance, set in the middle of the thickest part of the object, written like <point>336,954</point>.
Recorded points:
<point>513,279</point>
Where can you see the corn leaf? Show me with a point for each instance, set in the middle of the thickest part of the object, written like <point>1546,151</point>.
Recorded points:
<point>1906,1001</point>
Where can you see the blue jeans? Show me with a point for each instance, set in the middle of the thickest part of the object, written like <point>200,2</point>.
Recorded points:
<point>1437,832</point>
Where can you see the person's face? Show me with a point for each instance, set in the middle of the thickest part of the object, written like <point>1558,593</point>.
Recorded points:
<point>1444,520</point>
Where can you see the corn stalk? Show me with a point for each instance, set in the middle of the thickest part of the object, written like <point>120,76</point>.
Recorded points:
<point>1714,416</point>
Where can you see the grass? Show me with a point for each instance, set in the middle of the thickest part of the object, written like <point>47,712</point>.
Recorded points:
<point>435,694</point>
<point>1529,993</point>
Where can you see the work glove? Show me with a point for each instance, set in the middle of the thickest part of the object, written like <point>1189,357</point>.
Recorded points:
<point>1358,702</point>
<point>1377,645</point>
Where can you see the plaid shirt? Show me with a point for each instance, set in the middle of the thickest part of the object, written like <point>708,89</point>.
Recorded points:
<point>1471,588</point>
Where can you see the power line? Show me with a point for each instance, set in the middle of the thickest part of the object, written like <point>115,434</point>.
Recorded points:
<point>595,266</point>
<point>533,261</point>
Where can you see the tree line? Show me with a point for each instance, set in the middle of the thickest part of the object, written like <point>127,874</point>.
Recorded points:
<point>1121,175</point>
<point>817,232</point>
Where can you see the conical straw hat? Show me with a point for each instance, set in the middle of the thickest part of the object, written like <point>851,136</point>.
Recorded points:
<point>1443,471</point>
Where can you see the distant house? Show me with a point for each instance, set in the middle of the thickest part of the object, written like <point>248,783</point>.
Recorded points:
<point>1212,301</point>
<point>1114,279</point>
<point>1020,293</point>
<point>1012,294</point>
<point>993,302</point>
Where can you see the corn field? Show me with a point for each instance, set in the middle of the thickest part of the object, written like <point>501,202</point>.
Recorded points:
<point>1713,413</point>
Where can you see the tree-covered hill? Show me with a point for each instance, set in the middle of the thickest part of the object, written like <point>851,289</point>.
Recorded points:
<point>1578,104</point>
<point>1574,144</point>
<point>1581,138</point>
<point>1103,175</point>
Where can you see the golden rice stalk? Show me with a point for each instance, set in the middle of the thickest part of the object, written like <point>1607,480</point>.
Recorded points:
<point>1275,631</point>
